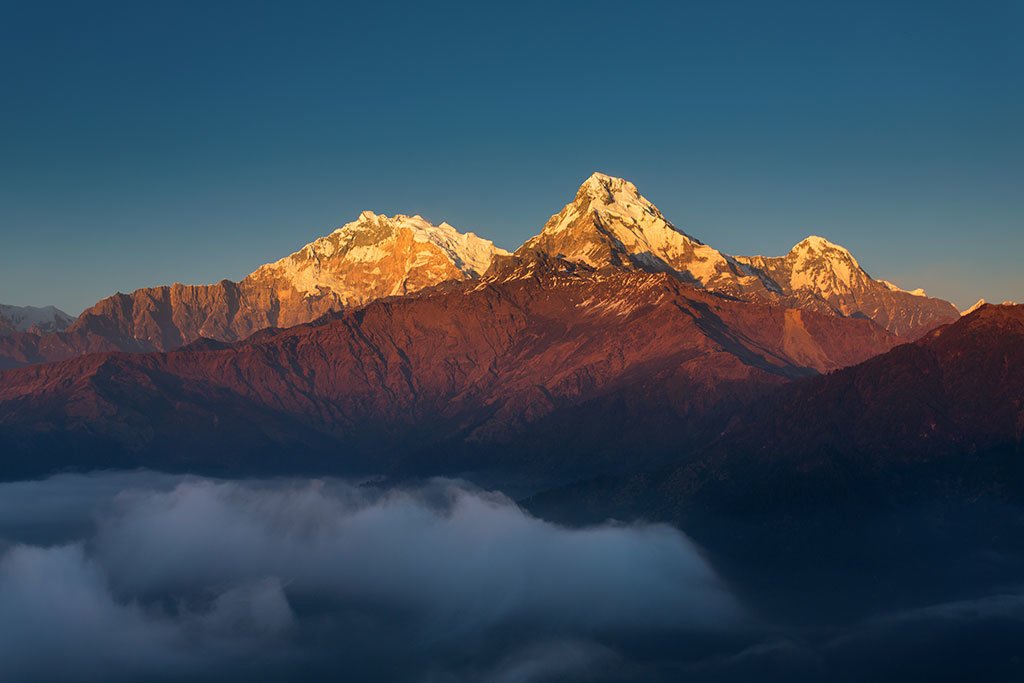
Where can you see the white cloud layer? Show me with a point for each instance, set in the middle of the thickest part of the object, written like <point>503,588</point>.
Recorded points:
<point>116,576</point>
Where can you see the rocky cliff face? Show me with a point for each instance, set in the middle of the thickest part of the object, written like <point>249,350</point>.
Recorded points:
<point>372,257</point>
<point>164,318</point>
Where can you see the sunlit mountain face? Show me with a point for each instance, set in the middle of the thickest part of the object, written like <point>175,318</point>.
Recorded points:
<point>614,454</point>
<point>608,230</point>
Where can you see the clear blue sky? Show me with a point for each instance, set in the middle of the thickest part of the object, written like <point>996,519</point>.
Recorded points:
<point>143,143</point>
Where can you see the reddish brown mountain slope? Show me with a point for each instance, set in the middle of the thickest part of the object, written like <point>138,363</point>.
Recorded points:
<point>960,389</point>
<point>474,362</point>
<point>939,418</point>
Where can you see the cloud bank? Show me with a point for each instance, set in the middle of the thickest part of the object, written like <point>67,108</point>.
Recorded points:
<point>113,577</point>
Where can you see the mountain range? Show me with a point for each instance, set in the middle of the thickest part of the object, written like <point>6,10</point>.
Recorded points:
<point>466,363</point>
<point>612,342</point>
<point>609,226</point>
<point>371,257</point>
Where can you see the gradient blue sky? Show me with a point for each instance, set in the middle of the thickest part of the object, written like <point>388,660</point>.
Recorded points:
<point>144,143</point>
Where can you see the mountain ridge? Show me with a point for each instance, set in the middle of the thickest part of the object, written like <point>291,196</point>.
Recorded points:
<point>371,257</point>
<point>458,368</point>
<point>821,275</point>
<point>608,225</point>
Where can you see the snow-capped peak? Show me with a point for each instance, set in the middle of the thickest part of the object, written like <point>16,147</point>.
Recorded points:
<point>820,274</point>
<point>824,267</point>
<point>896,288</point>
<point>814,245</point>
<point>614,200</point>
<point>377,255</point>
<point>982,302</point>
<point>34,318</point>
<point>610,189</point>
<point>610,224</point>
<point>470,253</point>
<point>978,304</point>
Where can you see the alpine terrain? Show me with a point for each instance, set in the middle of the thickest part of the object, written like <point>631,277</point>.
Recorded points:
<point>371,257</point>
<point>37,320</point>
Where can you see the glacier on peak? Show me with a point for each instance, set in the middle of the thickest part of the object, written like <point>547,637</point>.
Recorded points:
<point>470,253</point>
<point>377,255</point>
<point>819,244</point>
<point>971,309</point>
<point>610,224</point>
<point>982,302</point>
<point>896,288</point>
<point>33,318</point>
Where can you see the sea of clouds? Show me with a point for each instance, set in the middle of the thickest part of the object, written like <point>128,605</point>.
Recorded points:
<point>146,576</point>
